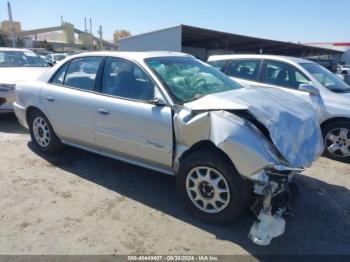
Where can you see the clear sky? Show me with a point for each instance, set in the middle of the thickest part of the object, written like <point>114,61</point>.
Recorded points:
<point>288,20</point>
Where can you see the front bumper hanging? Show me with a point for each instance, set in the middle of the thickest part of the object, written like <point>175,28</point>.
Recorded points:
<point>276,200</point>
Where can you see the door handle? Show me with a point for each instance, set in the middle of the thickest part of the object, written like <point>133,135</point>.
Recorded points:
<point>103,111</point>
<point>50,98</point>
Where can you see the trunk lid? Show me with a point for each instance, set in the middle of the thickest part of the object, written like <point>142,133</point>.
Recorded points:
<point>13,75</point>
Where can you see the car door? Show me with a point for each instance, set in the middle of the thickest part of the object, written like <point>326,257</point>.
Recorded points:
<point>128,125</point>
<point>244,71</point>
<point>287,77</point>
<point>69,100</point>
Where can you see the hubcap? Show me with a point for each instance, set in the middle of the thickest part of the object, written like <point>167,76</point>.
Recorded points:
<point>207,189</point>
<point>337,142</point>
<point>41,131</point>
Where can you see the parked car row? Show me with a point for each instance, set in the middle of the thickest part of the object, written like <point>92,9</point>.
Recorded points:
<point>17,65</point>
<point>231,143</point>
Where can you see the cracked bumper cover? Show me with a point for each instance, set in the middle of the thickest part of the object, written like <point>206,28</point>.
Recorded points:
<point>268,139</point>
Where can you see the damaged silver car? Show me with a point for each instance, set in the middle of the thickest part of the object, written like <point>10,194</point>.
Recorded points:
<point>229,147</point>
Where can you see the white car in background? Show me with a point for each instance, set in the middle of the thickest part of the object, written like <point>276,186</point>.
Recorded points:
<point>329,95</point>
<point>56,57</point>
<point>343,69</point>
<point>17,65</point>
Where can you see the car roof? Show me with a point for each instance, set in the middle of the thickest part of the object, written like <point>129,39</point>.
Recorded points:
<point>257,56</point>
<point>14,49</point>
<point>135,55</point>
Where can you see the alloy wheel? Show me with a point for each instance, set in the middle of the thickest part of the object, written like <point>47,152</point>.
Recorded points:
<point>207,189</point>
<point>337,142</point>
<point>41,131</point>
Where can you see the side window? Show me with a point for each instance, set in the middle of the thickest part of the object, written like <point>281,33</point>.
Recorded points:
<point>219,64</point>
<point>301,79</point>
<point>245,69</point>
<point>59,76</point>
<point>123,78</point>
<point>82,72</point>
<point>282,74</point>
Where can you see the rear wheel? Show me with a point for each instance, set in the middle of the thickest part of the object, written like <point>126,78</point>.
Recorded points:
<point>337,141</point>
<point>211,188</point>
<point>42,134</point>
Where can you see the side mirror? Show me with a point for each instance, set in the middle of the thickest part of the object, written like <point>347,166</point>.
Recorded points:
<point>158,101</point>
<point>309,88</point>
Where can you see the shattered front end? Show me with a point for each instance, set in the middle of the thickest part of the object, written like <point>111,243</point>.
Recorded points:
<point>276,197</point>
<point>268,139</point>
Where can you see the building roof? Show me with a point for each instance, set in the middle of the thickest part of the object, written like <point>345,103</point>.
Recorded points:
<point>211,39</point>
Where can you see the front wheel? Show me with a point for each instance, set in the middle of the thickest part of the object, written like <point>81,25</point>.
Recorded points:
<point>42,134</point>
<point>211,188</point>
<point>337,141</point>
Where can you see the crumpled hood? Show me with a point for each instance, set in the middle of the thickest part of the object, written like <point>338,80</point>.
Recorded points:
<point>291,122</point>
<point>13,75</point>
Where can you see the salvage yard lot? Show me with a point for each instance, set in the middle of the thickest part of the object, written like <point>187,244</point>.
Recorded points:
<point>82,203</point>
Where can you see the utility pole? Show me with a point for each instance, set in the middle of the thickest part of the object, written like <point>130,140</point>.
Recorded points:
<point>12,29</point>
<point>92,37</point>
<point>85,25</point>
<point>61,20</point>
<point>101,40</point>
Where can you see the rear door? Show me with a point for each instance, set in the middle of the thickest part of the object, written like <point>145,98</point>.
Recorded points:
<point>128,125</point>
<point>69,100</point>
<point>244,71</point>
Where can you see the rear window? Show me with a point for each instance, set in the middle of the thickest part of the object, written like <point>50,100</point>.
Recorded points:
<point>21,59</point>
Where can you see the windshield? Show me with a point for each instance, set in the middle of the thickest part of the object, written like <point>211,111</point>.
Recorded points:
<point>21,59</point>
<point>188,79</point>
<point>326,78</point>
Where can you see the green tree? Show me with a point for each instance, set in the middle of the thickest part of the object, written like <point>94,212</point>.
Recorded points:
<point>119,34</point>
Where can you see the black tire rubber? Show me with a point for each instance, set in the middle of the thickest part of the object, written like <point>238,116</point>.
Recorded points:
<point>55,144</point>
<point>240,190</point>
<point>334,125</point>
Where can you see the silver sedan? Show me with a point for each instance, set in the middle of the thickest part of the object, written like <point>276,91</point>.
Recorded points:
<point>173,113</point>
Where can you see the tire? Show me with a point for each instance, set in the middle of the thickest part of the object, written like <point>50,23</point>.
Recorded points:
<point>236,200</point>
<point>42,134</point>
<point>336,138</point>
